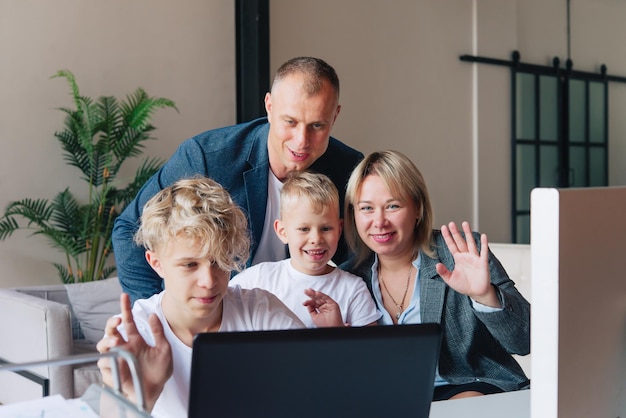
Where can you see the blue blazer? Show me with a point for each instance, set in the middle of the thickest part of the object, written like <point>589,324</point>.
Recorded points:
<point>476,346</point>
<point>237,158</point>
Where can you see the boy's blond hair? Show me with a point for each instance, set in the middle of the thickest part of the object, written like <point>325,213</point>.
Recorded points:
<point>315,188</point>
<point>199,209</point>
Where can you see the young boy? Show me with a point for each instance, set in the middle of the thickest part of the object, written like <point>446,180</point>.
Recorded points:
<point>310,225</point>
<point>194,235</point>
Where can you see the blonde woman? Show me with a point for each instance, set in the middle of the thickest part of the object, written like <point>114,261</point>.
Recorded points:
<point>418,275</point>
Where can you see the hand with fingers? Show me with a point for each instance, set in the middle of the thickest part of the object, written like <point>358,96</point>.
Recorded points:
<point>324,311</point>
<point>148,356</point>
<point>470,275</point>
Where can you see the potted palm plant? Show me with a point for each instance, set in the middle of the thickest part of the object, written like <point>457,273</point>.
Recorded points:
<point>97,138</point>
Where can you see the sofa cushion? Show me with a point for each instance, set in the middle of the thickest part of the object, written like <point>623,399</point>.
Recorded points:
<point>84,377</point>
<point>94,303</point>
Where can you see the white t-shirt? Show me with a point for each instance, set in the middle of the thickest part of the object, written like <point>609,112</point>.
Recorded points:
<point>271,248</point>
<point>244,310</point>
<point>280,278</point>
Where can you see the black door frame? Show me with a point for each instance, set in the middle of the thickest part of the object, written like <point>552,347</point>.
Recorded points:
<point>253,57</point>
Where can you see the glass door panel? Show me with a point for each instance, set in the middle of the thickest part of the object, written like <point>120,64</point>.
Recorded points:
<point>577,113</point>
<point>525,106</point>
<point>523,228</point>
<point>525,176</point>
<point>598,167</point>
<point>597,112</point>
<point>549,168</point>
<point>577,167</point>
<point>548,108</point>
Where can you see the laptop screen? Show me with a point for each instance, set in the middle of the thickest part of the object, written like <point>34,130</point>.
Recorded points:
<point>376,371</point>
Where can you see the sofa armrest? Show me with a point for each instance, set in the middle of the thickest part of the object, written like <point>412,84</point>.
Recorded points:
<point>34,329</point>
<point>515,258</point>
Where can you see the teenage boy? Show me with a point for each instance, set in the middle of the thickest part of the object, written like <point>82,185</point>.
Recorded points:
<point>194,235</point>
<point>310,225</point>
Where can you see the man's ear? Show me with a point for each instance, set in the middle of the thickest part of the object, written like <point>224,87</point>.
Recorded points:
<point>336,114</point>
<point>279,228</point>
<point>154,261</point>
<point>268,104</point>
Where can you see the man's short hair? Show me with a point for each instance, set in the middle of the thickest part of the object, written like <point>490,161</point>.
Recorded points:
<point>316,71</point>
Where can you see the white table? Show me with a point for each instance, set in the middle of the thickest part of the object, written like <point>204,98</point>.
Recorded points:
<point>508,404</point>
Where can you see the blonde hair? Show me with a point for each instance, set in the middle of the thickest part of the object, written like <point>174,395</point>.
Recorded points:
<point>316,188</point>
<point>199,209</point>
<point>405,182</point>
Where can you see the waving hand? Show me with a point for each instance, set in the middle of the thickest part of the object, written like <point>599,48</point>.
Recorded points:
<point>470,275</point>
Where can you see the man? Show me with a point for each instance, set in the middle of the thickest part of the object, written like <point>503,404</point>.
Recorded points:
<point>250,161</point>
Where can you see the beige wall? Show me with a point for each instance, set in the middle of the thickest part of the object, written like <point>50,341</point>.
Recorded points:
<point>184,51</point>
<point>403,85</point>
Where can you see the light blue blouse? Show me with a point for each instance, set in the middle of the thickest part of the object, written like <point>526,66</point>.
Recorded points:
<point>412,315</point>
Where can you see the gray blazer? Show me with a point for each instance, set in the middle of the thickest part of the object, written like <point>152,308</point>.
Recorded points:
<point>237,158</point>
<point>476,346</point>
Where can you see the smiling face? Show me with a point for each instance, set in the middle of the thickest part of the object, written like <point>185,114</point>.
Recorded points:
<point>300,123</point>
<point>194,286</point>
<point>312,235</point>
<point>385,223</point>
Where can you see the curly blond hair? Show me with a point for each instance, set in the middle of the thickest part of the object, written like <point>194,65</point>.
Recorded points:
<point>199,209</point>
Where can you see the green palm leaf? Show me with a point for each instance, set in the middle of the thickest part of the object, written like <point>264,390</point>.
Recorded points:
<point>35,211</point>
<point>64,274</point>
<point>144,172</point>
<point>65,213</point>
<point>8,225</point>
<point>97,137</point>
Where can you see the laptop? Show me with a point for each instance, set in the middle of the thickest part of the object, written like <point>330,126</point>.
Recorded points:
<point>374,371</point>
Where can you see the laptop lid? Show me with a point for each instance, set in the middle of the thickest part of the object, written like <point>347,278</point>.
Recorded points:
<point>376,371</point>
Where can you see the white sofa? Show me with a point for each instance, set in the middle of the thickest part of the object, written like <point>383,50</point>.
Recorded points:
<point>515,258</point>
<point>41,323</point>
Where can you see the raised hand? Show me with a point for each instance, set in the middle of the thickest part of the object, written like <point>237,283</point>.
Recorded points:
<point>471,271</point>
<point>324,311</point>
<point>147,356</point>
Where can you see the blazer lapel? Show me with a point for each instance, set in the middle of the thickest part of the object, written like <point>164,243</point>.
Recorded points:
<point>255,180</point>
<point>432,291</point>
